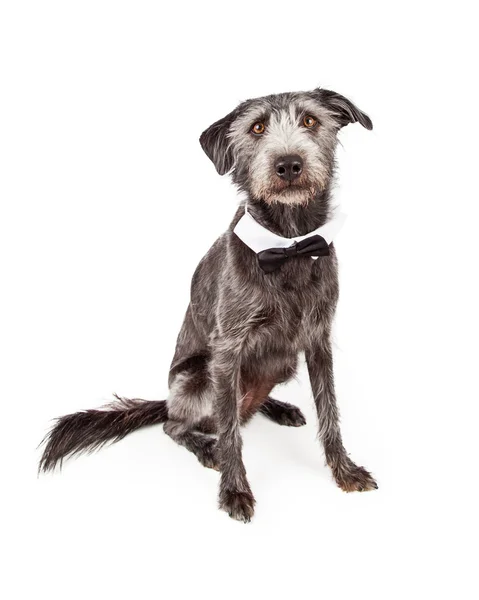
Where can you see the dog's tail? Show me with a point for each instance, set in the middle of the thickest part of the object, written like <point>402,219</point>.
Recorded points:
<point>89,430</point>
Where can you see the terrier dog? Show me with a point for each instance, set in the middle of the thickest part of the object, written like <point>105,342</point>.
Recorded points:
<point>265,291</point>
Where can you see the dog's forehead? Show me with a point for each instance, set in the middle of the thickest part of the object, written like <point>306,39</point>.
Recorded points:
<point>287,100</point>
<point>276,106</point>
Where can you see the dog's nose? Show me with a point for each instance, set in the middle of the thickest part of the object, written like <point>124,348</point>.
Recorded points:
<point>289,167</point>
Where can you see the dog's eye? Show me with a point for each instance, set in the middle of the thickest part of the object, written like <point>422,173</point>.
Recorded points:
<point>309,121</point>
<point>258,128</point>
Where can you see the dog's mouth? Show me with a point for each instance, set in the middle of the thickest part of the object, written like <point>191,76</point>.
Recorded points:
<point>275,189</point>
<point>289,188</point>
<point>291,192</point>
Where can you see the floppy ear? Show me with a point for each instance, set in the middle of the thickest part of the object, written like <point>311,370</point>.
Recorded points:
<point>215,143</point>
<point>346,111</point>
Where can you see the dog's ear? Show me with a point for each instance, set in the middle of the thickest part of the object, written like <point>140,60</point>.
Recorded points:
<point>215,143</point>
<point>346,112</point>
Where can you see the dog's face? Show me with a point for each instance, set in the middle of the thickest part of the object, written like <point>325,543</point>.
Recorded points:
<point>281,148</point>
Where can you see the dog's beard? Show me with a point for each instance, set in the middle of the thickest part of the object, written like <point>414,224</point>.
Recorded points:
<point>300,192</point>
<point>293,194</point>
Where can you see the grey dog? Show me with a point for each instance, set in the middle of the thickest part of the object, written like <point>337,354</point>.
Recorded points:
<point>244,327</point>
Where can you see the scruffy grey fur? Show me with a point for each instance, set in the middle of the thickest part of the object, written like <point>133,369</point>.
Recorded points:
<point>244,328</point>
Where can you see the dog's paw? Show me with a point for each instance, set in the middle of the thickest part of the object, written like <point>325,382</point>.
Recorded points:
<point>238,505</point>
<point>283,413</point>
<point>355,479</point>
<point>208,455</point>
<point>291,416</point>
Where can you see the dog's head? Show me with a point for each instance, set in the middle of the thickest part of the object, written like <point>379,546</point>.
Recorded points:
<point>281,148</point>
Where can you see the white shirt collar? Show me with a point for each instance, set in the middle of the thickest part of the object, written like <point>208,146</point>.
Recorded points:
<point>258,238</point>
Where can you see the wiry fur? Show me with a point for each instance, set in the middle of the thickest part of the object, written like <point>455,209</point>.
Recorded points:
<point>90,430</point>
<point>243,329</point>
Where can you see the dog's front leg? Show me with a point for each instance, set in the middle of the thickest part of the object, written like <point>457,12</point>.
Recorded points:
<point>235,496</point>
<point>348,476</point>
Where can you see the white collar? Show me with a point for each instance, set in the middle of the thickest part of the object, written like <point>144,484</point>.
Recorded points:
<point>258,238</point>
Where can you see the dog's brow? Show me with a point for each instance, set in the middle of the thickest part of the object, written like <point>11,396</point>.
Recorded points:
<point>306,105</point>
<point>251,115</point>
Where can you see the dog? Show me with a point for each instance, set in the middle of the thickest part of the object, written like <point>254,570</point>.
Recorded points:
<point>253,308</point>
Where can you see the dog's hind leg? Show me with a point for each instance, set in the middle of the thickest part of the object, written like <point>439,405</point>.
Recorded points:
<point>282,413</point>
<point>203,446</point>
<point>190,420</point>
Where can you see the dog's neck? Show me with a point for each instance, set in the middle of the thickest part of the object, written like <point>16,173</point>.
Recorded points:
<point>291,220</point>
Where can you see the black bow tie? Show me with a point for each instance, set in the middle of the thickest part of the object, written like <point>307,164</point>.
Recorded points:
<point>272,258</point>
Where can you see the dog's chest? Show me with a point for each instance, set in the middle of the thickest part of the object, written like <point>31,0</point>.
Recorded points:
<point>300,310</point>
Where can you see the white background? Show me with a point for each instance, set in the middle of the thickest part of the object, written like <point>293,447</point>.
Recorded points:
<point>101,107</point>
